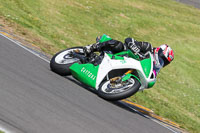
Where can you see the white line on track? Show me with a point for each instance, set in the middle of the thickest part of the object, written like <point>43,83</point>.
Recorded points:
<point>36,54</point>
<point>25,48</point>
<point>4,130</point>
<point>172,130</point>
<point>164,126</point>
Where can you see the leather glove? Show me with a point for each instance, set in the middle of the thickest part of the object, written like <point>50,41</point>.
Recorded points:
<point>96,46</point>
<point>91,48</point>
<point>87,50</point>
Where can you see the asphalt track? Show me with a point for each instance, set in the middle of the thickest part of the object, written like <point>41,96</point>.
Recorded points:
<point>195,3</point>
<point>35,100</point>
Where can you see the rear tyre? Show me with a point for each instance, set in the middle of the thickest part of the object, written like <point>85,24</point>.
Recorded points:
<point>61,61</point>
<point>108,92</point>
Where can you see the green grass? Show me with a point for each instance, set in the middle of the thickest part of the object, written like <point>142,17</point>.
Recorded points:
<point>65,23</point>
<point>1,132</point>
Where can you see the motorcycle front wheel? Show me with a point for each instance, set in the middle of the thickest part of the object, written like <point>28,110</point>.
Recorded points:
<point>113,92</point>
<point>61,61</point>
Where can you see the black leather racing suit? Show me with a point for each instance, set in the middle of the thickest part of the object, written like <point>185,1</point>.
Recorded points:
<point>139,47</point>
<point>116,46</point>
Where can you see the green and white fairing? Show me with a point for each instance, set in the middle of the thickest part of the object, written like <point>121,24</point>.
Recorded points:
<point>94,75</point>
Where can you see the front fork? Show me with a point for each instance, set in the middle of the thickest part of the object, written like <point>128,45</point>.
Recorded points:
<point>120,78</point>
<point>82,58</point>
<point>124,77</point>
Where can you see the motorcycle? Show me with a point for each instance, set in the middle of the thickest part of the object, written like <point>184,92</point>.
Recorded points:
<point>114,76</point>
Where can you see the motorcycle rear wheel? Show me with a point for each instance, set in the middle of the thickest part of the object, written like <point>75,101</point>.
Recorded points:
<point>61,61</point>
<point>106,91</point>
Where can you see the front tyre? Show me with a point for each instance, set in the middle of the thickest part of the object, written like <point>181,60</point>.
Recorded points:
<point>113,92</point>
<point>61,61</point>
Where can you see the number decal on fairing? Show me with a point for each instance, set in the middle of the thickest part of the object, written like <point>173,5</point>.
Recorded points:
<point>123,61</point>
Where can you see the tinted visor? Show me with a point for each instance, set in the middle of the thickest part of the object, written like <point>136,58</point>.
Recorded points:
<point>163,58</point>
<point>161,65</point>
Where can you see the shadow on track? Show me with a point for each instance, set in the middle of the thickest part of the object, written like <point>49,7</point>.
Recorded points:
<point>119,103</point>
<point>81,84</point>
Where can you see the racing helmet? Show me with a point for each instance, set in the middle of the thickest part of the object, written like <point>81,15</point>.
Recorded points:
<point>165,53</point>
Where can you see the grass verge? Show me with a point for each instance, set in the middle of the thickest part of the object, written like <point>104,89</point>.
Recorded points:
<point>54,25</point>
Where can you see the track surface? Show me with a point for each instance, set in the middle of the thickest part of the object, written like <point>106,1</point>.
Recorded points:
<point>195,3</point>
<point>35,100</point>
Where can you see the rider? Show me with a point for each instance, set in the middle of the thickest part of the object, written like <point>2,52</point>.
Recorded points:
<point>163,54</point>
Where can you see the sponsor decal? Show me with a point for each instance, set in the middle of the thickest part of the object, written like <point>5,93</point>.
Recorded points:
<point>88,73</point>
